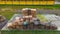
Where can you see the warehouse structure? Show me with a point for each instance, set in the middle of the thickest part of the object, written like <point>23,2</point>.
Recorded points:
<point>28,2</point>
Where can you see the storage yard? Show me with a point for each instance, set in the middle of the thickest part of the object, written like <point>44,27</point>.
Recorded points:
<point>14,20</point>
<point>17,12</point>
<point>47,21</point>
<point>55,21</point>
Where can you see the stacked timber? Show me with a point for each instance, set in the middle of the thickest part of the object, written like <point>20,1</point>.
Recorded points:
<point>28,11</point>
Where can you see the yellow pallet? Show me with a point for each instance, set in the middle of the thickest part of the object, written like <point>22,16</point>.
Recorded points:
<point>35,3</point>
<point>2,2</point>
<point>50,2</point>
<point>22,2</point>
<point>15,2</point>
<point>9,2</point>
<point>42,3</point>
<point>28,2</point>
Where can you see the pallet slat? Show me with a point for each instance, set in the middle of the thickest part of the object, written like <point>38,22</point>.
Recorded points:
<point>28,2</point>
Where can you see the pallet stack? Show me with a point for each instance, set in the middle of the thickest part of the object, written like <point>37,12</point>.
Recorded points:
<point>27,12</point>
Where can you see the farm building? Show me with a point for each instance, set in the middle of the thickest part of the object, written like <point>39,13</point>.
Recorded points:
<point>28,2</point>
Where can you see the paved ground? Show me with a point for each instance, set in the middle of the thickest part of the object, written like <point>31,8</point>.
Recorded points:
<point>48,11</point>
<point>11,20</point>
<point>42,11</point>
<point>55,20</point>
<point>2,24</point>
<point>57,23</point>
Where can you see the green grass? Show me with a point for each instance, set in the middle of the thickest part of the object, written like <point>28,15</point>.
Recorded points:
<point>57,6</point>
<point>9,14</point>
<point>41,17</point>
<point>30,32</point>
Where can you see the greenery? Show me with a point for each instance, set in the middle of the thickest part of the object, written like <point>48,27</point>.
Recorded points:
<point>8,13</point>
<point>57,6</point>
<point>31,32</point>
<point>41,17</point>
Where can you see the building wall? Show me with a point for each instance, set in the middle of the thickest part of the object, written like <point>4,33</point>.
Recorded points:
<point>30,2</point>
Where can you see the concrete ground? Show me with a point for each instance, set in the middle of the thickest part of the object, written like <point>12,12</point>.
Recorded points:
<point>43,11</point>
<point>11,20</point>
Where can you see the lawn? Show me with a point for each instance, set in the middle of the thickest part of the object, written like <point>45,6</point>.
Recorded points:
<point>42,18</point>
<point>57,6</point>
<point>30,32</point>
<point>8,14</point>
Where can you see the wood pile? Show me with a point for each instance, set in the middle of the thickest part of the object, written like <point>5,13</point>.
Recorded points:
<point>2,18</point>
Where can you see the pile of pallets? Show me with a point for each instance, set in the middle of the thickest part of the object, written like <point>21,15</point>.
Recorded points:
<point>54,19</point>
<point>45,26</point>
